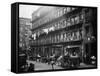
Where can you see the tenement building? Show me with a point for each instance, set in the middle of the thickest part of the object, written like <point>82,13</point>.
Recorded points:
<point>24,34</point>
<point>57,31</point>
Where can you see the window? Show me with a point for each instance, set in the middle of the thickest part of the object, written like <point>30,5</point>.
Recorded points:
<point>58,26</point>
<point>68,9</point>
<point>55,39</point>
<point>58,37</point>
<point>61,37</point>
<point>77,19</point>
<point>72,21</point>
<point>82,16</point>
<point>64,36</point>
<point>78,35</point>
<point>73,8</point>
<point>65,10</point>
<point>58,14</point>
<point>64,23</point>
<point>69,36</point>
<point>75,35</point>
<point>68,22</point>
<point>61,24</point>
<point>61,12</point>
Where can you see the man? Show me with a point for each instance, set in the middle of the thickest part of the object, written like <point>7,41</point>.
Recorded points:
<point>52,61</point>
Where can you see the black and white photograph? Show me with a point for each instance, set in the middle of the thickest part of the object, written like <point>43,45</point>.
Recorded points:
<point>56,38</point>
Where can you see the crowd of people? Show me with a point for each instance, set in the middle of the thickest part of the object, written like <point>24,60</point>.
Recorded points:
<point>69,59</point>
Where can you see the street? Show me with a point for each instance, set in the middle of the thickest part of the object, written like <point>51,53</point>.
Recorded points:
<point>44,66</point>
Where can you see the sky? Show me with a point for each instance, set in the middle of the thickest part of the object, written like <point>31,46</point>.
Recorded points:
<point>27,10</point>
